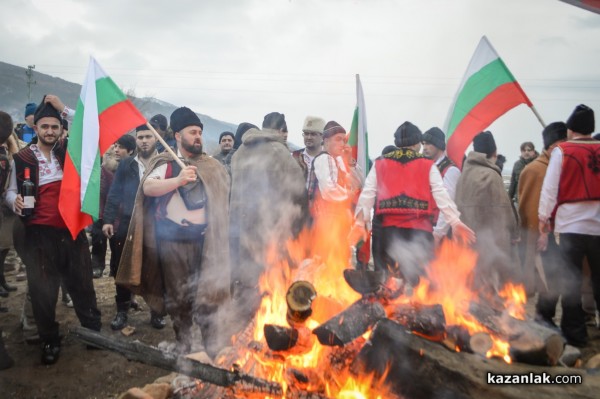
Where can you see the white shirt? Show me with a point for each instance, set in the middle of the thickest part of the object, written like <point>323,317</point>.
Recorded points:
<point>326,171</point>
<point>575,217</point>
<point>142,167</point>
<point>450,180</point>
<point>48,172</point>
<point>445,204</point>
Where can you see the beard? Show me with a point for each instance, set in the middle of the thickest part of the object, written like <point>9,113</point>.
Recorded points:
<point>192,148</point>
<point>147,153</point>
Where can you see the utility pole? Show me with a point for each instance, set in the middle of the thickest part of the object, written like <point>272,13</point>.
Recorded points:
<point>30,81</point>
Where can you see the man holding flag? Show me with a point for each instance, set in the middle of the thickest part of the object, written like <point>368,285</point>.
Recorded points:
<point>53,252</point>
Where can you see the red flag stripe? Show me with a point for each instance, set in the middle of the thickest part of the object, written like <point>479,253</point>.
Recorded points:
<point>115,120</point>
<point>69,202</point>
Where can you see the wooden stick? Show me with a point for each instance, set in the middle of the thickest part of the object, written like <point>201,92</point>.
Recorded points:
<point>537,115</point>
<point>167,147</point>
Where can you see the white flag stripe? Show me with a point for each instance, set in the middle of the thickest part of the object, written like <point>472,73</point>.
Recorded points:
<point>90,129</point>
<point>362,156</point>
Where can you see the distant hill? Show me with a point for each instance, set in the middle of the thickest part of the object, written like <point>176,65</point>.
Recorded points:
<point>13,97</point>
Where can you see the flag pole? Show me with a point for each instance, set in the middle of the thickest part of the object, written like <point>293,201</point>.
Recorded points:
<point>166,146</point>
<point>537,115</point>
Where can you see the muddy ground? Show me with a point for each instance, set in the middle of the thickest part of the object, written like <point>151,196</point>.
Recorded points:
<point>79,372</point>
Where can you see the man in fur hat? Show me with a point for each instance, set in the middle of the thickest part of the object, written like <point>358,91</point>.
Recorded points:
<point>312,132</point>
<point>570,200</point>
<point>178,239</point>
<point>434,148</point>
<point>406,206</point>
<point>485,206</point>
<point>226,140</point>
<point>52,253</point>
<point>530,188</point>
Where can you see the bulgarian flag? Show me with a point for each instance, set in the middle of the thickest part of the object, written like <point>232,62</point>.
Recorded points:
<point>358,137</point>
<point>488,90</point>
<point>103,115</point>
<point>590,5</point>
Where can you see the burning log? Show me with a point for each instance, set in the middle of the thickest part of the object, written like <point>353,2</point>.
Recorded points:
<point>295,340</point>
<point>280,338</point>
<point>457,336</point>
<point>480,343</point>
<point>169,361</point>
<point>427,320</point>
<point>403,360</point>
<point>529,341</point>
<point>299,298</point>
<point>350,324</point>
<point>292,393</point>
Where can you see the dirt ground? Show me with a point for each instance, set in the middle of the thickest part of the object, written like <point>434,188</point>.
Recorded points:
<point>79,372</point>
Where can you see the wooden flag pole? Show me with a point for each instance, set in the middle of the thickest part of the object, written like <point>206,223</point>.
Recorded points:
<point>537,115</point>
<point>167,148</point>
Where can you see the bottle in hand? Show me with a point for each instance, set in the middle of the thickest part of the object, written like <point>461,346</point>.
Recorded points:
<point>28,194</point>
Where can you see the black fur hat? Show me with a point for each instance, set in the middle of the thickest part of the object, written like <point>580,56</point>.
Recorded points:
<point>184,117</point>
<point>484,142</point>
<point>582,120</point>
<point>554,132</point>
<point>407,135</point>
<point>436,137</point>
<point>45,110</point>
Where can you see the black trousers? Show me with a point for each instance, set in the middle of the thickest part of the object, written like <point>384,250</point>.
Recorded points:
<point>553,265</point>
<point>574,247</point>
<point>52,255</point>
<point>403,252</point>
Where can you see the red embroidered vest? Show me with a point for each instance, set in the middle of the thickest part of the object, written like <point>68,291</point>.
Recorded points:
<point>580,173</point>
<point>403,189</point>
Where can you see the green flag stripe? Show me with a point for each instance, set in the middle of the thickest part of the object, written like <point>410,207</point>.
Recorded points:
<point>76,138</point>
<point>353,139</point>
<point>108,94</point>
<point>477,87</point>
<point>91,199</point>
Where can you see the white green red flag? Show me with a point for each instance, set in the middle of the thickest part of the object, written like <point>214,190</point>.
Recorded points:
<point>103,115</point>
<point>488,90</point>
<point>358,137</point>
<point>590,5</point>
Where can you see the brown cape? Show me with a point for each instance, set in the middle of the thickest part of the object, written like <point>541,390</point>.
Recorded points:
<point>139,269</point>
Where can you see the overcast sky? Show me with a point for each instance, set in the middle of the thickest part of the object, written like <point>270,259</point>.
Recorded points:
<point>237,60</point>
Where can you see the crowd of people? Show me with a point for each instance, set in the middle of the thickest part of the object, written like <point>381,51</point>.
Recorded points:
<point>191,233</point>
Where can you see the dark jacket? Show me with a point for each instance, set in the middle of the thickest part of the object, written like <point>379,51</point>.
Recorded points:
<point>121,196</point>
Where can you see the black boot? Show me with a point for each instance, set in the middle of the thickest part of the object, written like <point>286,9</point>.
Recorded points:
<point>6,361</point>
<point>3,292</point>
<point>50,352</point>
<point>157,321</point>
<point>120,320</point>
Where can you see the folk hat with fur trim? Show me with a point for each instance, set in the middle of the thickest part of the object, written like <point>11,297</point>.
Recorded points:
<point>554,132</point>
<point>436,137</point>
<point>184,117</point>
<point>45,110</point>
<point>332,128</point>
<point>407,135</point>
<point>313,124</point>
<point>484,142</point>
<point>582,120</point>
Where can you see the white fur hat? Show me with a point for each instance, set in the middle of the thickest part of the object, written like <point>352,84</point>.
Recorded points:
<point>313,124</point>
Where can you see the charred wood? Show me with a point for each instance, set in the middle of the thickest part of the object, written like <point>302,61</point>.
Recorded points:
<point>480,343</point>
<point>280,338</point>
<point>458,337</point>
<point>530,342</point>
<point>350,324</point>
<point>169,361</point>
<point>293,393</point>
<point>426,320</point>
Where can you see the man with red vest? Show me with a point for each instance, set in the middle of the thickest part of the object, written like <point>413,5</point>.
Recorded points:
<point>52,254</point>
<point>434,147</point>
<point>570,200</point>
<point>406,188</point>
